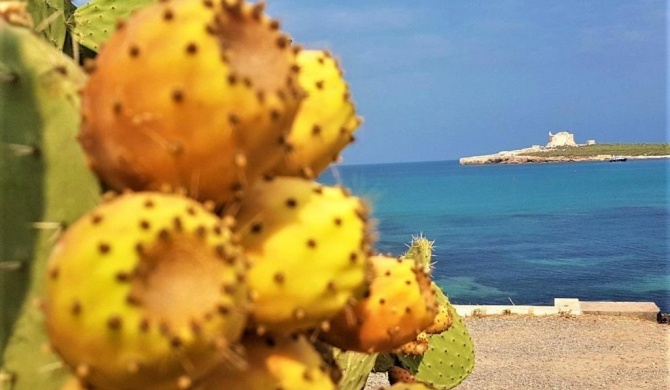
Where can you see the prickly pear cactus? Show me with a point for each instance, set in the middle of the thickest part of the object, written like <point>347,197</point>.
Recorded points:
<point>308,246</point>
<point>93,23</point>
<point>443,356</point>
<point>449,358</point>
<point>153,290</point>
<point>44,186</point>
<point>196,95</point>
<point>141,284</point>
<point>287,363</point>
<point>421,251</point>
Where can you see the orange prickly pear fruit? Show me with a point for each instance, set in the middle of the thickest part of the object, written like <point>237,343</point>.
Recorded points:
<point>326,120</point>
<point>198,95</point>
<point>288,363</point>
<point>417,347</point>
<point>120,305</point>
<point>307,245</point>
<point>399,306</point>
<point>442,322</point>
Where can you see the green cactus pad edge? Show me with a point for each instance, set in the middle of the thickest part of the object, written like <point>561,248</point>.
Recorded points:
<point>94,23</point>
<point>44,179</point>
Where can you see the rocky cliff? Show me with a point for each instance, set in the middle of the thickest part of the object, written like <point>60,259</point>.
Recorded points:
<point>514,158</point>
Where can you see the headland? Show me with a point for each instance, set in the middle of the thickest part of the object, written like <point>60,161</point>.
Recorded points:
<point>562,148</point>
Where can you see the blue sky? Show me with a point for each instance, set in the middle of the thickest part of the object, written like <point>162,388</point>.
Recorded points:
<point>438,79</point>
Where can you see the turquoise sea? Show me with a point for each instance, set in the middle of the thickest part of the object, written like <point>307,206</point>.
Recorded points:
<point>528,233</point>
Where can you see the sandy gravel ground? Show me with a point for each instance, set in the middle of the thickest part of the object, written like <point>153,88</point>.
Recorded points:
<point>585,352</point>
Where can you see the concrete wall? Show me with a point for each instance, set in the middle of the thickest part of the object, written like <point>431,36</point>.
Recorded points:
<point>569,306</point>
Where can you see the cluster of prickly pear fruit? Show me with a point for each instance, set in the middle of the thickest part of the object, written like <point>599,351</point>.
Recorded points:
<point>222,264</point>
<point>442,355</point>
<point>399,305</point>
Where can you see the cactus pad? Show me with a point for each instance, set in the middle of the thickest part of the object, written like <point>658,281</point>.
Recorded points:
<point>399,306</point>
<point>308,245</point>
<point>326,119</point>
<point>289,363</point>
<point>421,251</point>
<point>198,95</point>
<point>355,367</point>
<point>443,355</point>
<point>49,16</point>
<point>95,21</point>
<point>449,358</point>
<point>44,185</point>
<point>119,305</point>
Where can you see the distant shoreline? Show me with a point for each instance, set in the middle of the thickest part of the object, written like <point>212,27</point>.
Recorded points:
<point>582,153</point>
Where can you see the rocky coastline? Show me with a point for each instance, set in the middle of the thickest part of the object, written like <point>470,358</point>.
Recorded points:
<point>521,159</point>
<point>518,157</point>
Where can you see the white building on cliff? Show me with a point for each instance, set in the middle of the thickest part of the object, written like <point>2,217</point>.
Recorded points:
<point>562,138</point>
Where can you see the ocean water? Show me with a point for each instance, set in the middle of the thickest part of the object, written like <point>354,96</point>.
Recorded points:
<point>527,233</point>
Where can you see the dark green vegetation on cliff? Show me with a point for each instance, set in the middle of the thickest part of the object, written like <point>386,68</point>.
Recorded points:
<point>605,149</point>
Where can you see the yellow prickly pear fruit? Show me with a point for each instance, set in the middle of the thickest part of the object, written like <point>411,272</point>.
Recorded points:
<point>409,386</point>
<point>401,304</point>
<point>307,245</point>
<point>289,363</point>
<point>146,291</point>
<point>326,120</point>
<point>72,384</point>
<point>198,95</point>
